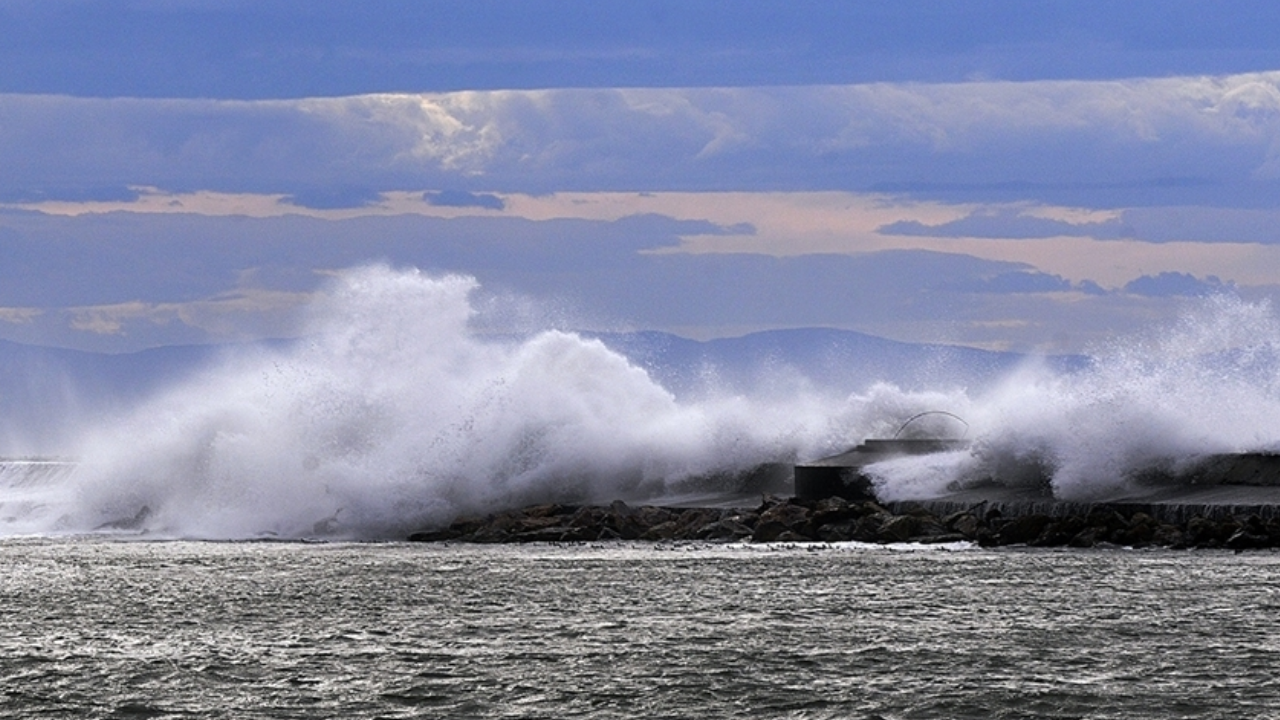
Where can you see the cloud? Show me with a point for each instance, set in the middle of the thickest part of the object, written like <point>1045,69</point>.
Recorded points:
<point>71,193</point>
<point>1017,282</point>
<point>334,197</point>
<point>243,50</point>
<point>1175,284</point>
<point>1198,140</point>
<point>19,315</point>
<point>462,198</point>
<point>1008,223</point>
<point>124,281</point>
<point>1159,224</point>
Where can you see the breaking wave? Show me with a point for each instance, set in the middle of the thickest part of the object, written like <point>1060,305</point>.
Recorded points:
<point>396,413</point>
<point>1207,384</point>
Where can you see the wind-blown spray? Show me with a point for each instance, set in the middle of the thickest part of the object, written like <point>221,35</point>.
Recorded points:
<point>1209,383</point>
<point>394,413</point>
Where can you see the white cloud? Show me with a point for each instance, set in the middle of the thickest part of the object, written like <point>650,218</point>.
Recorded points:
<point>1220,129</point>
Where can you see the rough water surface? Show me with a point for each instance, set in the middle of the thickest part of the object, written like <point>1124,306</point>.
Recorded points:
<point>103,629</point>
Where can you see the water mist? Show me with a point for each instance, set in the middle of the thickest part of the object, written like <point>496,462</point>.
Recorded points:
<point>394,414</point>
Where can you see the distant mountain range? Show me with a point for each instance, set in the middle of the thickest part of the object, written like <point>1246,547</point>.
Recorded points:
<point>41,388</point>
<point>828,359</point>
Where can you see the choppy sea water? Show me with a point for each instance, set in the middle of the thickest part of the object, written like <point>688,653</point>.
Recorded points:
<point>95,628</point>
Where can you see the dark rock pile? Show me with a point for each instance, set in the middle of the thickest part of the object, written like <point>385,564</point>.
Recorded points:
<point>835,520</point>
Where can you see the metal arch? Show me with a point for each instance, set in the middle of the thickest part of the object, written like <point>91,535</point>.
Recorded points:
<point>917,416</point>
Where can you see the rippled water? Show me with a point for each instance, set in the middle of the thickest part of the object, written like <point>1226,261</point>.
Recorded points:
<point>96,628</point>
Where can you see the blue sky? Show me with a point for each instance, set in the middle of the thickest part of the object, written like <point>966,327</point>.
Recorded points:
<point>1036,176</point>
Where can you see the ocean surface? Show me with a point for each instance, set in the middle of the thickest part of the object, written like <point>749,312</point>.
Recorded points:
<point>109,628</point>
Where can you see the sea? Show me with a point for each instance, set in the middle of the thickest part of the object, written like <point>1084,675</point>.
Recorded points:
<point>112,628</point>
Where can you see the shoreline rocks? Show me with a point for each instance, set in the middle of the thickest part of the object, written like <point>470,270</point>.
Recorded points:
<point>837,520</point>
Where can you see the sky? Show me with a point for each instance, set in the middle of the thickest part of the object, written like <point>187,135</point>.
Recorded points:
<point>1034,176</point>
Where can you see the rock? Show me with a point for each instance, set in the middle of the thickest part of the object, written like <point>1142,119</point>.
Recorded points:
<point>1088,537</point>
<point>549,533</point>
<point>132,523</point>
<point>465,525</point>
<point>768,530</point>
<point>691,520</point>
<point>1059,532</point>
<point>943,538</point>
<point>1203,532</point>
<point>929,527</point>
<point>836,532</point>
<point>440,535</point>
<point>622,520</point>
<point>574,533</point>
<point>649,516</point>
<point>791,516</point>
<point>588,517</point>
<point>548,510</point>
<point>726,529</point>
<point>489,534</point>
<point>1141,529</point>
<point>1107,519</point>
<point>1169,536</point>
<point>769,501</point>
<point>867,528</point>
<point>962,522</point>
<point>836,520</point>
<point>1023,529</point>
<point>832,510</point>
<point>898,528</point>
<point>1244,539</point>
<point>870,507</point>
<point>662,531</point>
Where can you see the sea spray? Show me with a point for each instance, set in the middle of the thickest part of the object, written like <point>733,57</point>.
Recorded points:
<point>394,413</point>
<point>1158,402</point>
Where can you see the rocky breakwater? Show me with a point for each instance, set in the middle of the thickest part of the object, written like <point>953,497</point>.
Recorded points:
<point>838,520</point>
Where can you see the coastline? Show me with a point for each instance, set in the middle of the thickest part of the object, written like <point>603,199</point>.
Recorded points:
<point>834,519</point>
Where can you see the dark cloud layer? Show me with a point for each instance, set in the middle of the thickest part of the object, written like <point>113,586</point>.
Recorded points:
<point>462,198</point>
<point>1096,145</point>
<point>1008,223</point>
<point>1194,223</point>
<point>1176,284</point>
<point>301,48</point>
<point>598,269</point>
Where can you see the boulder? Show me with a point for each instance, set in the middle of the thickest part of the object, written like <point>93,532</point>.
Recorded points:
<point>649,515</point>
<point>662,531</point>
<point>768,530</point>
<point>793,517</point>
<point>1059,532</point>
<point>836,532</point>
<point>963,522</point>
<point>1088,537</point>
<point>696,517</point>
<point>440,535</point>
<point>589,516</point>
<point>727,529</point>
<point>1023,529</point>
<point>489,534</point>
<point>897,528</point>
<point>833,510</point>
